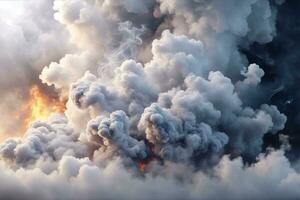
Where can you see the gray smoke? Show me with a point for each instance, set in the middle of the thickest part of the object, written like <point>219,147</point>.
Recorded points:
<point>162,104</point>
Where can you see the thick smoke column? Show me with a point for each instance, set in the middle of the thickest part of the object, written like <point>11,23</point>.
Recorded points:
<point>162,102</point>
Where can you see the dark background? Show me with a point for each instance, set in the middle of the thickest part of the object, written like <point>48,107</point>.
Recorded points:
<point>280,59</point>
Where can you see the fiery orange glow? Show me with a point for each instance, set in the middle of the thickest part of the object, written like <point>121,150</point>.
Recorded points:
<point>40,106</point>
<point>142,166</point>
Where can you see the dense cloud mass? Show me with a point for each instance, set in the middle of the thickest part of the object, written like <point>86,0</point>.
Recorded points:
<point>271,177</point>
<point>164,101</point>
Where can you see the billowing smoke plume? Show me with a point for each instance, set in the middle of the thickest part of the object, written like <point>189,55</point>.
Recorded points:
<point>26,47</point>
<point>163,102</point>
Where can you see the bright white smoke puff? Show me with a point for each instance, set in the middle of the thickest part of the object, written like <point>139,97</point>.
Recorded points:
<point>178,112</point>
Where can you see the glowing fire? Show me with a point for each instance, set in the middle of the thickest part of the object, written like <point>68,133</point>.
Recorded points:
<point>40,106</point>
<point>142,166</point>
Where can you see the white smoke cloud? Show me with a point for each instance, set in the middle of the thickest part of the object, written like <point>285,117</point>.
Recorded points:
<point>270,178</point>
<point>45,141</point>
<point>222,30</point>
<point>26,47</point>
<point>177,125</point>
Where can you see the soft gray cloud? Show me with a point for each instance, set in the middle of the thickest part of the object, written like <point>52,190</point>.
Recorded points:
<point>270,178</point>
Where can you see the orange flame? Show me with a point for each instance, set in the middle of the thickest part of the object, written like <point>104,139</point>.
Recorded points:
<point>143,163</point>
<point>142,166</point>
<point>40,106</point>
